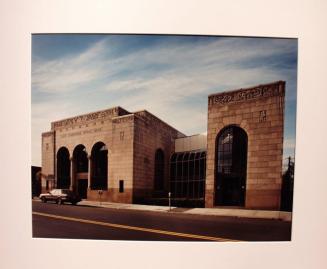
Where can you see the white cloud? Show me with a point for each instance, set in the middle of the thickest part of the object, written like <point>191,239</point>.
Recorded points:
<point>183,61</point>
<point>69,73</point>
<point>161,79</point>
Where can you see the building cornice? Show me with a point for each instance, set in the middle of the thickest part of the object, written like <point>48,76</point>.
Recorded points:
<point>256,92</point>
<point>89,117</point>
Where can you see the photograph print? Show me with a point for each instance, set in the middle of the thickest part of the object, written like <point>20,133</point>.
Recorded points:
<point>163,137</point>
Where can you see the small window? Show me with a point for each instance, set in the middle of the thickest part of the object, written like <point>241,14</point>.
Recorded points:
<point>121,185</point>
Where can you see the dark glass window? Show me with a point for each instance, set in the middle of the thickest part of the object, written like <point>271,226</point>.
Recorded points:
<point>99,168</point>
<point>231,162</point>
<point>187,177</point>
<point>159,170</point>
<point>63,168</point>
<point>121,185</point>
<point>80,158</point>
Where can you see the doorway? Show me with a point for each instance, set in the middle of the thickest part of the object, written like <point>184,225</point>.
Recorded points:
<point>231,166</point>
<point>82,188</point>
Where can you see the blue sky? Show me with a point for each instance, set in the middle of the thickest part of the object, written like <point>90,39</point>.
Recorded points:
<point>170,76</point>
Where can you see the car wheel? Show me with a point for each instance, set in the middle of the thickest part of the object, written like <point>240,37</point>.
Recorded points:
<point>43,200</point>
<point>59,201</point>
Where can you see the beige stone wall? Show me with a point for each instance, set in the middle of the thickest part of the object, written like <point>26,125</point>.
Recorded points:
<point>132,140</point>
<point>151,134</point>
<point>88,129</point>
<point>190,143</point>
<point>260,112</point>
<point>121,158</point>
<point>47,157</point>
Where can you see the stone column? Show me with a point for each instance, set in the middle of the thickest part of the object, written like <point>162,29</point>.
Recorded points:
<point>89,171</point>
<point>71,173</point>
<point>55,175</point>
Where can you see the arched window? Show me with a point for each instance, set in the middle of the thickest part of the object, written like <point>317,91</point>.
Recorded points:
<point>80,158</point>
<point>99,160</point>
<point>159,170</point>
<point>63,168</point>
<point>231,165</point>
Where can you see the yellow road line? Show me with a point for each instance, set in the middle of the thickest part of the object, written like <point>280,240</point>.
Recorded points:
<point>134,228</point>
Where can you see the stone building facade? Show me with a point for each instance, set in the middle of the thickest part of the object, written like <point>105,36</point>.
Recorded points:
<point>130,141</point>
<point>258,113</point>
<point>131,157</point>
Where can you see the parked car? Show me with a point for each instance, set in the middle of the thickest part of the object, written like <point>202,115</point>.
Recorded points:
<point>60,196</point>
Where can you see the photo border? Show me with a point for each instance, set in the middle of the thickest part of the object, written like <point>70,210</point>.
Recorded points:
<point>305,21</point>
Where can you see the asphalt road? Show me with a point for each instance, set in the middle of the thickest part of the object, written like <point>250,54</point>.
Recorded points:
<point>84,222</point>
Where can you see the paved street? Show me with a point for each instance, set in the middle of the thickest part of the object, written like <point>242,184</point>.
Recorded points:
<point>86,222</point>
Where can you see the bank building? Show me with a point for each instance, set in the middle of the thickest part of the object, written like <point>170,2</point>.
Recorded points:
<point>135,157</point>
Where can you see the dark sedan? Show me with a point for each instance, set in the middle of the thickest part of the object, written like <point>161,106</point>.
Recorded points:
<point>60,196</point>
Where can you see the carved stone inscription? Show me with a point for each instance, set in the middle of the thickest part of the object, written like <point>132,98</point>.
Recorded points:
<point>85,118</point>
<point>244,95</point>
<point>97,130</point>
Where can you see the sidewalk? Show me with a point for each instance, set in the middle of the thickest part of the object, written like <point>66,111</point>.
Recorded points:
<point>241,213</point>
<point>225,212</point>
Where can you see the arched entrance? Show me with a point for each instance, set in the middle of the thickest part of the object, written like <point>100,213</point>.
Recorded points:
<point>159,170</point>
<point>81,170</point>
<point>63,168</point>
<point>99,171</point>
<point>230,166</point>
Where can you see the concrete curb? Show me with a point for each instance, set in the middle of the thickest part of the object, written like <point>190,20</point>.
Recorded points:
<point>126,206</point>
<point>242,213</point>
<point>222,212</point>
